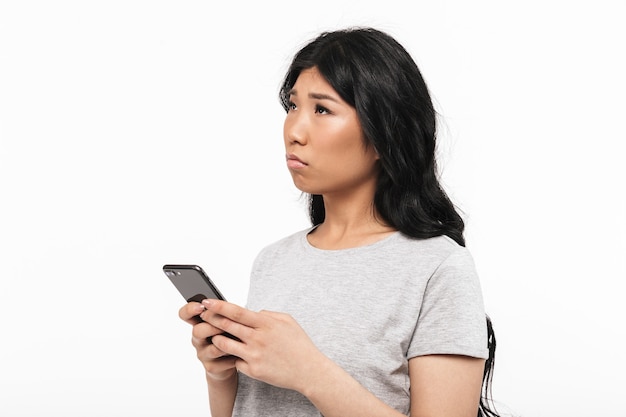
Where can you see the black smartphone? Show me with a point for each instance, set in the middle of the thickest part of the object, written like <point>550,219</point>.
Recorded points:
<point>192,282</point>
<point>194,285</point>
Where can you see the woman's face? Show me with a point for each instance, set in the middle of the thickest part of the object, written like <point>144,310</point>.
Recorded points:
<point>326,150</point>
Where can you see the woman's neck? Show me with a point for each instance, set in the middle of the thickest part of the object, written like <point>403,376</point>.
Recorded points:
<point>348,226</point>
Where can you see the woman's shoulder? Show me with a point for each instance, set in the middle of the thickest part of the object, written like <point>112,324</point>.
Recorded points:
<point>285,244</point>
<point>441,246</point>
<point>294,238</point>
<point>427,254</point>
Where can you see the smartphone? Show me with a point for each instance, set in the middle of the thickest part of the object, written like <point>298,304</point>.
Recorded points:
<point>192,282</point>
<point>194,285</point>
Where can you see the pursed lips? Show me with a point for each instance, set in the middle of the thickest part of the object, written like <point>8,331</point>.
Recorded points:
<point>294,162</point>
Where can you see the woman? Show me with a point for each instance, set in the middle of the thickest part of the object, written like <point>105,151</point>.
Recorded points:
<point>376,310</point>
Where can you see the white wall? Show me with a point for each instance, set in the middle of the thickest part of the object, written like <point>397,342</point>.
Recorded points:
<point>138,133</point>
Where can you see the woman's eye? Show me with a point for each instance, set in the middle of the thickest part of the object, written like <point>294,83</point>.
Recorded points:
<point>291,106</point>
<point>321,110</point>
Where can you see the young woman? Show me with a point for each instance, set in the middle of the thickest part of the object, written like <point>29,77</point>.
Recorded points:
<point>376,310</point>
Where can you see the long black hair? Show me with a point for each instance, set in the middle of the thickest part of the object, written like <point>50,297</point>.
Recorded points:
<point>373,73</point>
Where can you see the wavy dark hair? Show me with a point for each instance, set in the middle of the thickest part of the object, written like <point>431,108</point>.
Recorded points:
<point>373,73</point>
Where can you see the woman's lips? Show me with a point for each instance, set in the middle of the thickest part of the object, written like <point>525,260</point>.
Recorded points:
<point>293,162</point>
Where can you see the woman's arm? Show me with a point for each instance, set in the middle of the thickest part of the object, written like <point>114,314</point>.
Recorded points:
<point>337,394</point>
<point>222,394</point>
<point>445,385</point>
<point>277,351</point>
<point>221,374</point>
<point>441,385</point>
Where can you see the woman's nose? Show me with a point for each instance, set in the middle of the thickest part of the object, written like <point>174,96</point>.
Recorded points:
<point>295,130</point>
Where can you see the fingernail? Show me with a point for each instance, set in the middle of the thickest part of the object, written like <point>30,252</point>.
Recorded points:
<point>207,303</point>
<point>199,309</point>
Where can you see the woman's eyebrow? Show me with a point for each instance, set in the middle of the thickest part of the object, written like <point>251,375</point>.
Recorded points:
<point>316,96</point>
<point>321,96</point>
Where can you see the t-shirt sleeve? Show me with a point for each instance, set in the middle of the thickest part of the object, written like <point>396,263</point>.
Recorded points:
<point>452,317</point>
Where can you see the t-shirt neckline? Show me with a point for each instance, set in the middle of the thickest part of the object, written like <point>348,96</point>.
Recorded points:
<point>369,246</point>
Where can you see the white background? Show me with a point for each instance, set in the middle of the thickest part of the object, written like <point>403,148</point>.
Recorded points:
<point>139,133</point>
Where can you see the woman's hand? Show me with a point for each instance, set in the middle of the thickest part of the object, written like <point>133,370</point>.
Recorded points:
<point>219,365</point>
<point>273,348</point>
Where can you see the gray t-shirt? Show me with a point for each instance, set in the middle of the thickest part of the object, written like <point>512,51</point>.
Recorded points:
<point>370,309</point>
